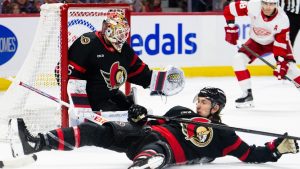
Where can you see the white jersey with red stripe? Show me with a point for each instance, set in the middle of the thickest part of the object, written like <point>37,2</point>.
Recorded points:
<point>263,30</point>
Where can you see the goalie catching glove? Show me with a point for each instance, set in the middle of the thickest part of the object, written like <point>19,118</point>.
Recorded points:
<point>283,145</point>
<point>167,82</point>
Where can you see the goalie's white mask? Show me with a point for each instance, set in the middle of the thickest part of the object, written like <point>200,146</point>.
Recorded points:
<point>115,29</point>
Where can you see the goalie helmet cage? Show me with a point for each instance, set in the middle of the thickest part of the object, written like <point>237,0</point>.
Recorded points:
<point>58,27</point>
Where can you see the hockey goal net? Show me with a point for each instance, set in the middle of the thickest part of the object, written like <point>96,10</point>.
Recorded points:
<point>58,27</point>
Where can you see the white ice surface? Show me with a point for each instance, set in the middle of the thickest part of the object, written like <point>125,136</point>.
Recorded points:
<point>277,109</point>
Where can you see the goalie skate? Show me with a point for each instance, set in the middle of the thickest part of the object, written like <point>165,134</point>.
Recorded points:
<point>153,162</point>
<point>246,101</point>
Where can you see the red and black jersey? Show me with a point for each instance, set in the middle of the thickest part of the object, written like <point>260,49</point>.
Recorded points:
<point>105,69</point>
<point>190,142</point>
<point>264,30</point>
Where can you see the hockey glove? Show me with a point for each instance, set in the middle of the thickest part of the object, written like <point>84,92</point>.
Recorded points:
<point>167,82</point>
<point>137,114</point>
<point>283,145</point>
<point>281,67</point>
<point>232,34</point>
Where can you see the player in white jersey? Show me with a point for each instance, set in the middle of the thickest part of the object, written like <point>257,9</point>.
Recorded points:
<point>269,33</point>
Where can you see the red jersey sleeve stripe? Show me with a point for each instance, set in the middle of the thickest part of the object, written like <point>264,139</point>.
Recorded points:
<point>77,67</point>
<point>138,71</point>
<point>227,14</point>
<point>244,156</point>
<point>61,139</point>
<point>232,147</point>
<point>76,136</point>
<point>238,8</point>
<point>135,57</point>
<point>178,152</point>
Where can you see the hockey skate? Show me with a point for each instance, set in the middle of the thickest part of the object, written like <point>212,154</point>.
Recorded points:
<point>246,101</point>
<point>29,143</point>
<point>154,162</point>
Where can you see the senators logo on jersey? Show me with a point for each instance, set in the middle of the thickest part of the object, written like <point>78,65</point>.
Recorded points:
<point>85,40</point>
<point>116,77</point>
<point>200,136</point>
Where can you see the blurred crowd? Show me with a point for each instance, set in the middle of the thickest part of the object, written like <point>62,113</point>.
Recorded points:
<point>33,6</point>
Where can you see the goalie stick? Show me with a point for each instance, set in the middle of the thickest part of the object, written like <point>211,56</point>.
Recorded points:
<point>39,92</point>
<point>29,159</point>
<point>224,127</point>
<point>18,162</point>
<point>268,63</point>
<point>98,119</point>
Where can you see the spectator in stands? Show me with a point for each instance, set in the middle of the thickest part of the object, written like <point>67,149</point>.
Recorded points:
<point>71,1</point>
<point>137,6</point>
<point>152,6</point>
<point>108,1</point>
<point>50,1</point>
<point>26,6</point>
<point>37,5</point>
<point>4,6</point>
<point>14,8</point>
<point>201,5</point>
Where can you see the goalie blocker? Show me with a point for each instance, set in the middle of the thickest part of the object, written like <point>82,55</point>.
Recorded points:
<point>169,81</point>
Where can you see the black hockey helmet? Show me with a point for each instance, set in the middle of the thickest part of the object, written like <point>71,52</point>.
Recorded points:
<point>215,95</point>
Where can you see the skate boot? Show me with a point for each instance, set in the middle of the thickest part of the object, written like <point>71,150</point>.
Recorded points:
<point>29,143</point>
<point>246,101</point>
<point>154,161</point>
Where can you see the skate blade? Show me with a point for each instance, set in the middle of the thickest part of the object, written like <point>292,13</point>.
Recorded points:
<point>14,140</point>
<point>152,163</point>
<point>244,105</point>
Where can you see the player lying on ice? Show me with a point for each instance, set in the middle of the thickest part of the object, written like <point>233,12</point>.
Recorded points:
<point>160,143</point>
<point>106,61</point>
<point>269,33</point>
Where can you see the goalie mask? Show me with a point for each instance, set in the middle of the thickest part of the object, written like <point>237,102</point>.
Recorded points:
<point>115,29</point>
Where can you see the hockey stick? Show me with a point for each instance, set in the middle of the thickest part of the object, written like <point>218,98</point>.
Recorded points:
<point>223,127</point>
<point>40,92</point>
<point>18,162</point>
<point>98,119</point>
<point>266,62</point>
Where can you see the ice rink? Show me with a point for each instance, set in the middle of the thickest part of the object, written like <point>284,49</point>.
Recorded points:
<point>277,109</point>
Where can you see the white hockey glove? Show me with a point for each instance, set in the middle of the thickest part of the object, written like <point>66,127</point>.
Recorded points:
<point>167,82</point>
<point>282,145</point>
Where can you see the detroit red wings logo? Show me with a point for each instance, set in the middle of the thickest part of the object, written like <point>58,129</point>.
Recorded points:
<point>200,136</point>
<point>261,31</point>
<point>116,77</point>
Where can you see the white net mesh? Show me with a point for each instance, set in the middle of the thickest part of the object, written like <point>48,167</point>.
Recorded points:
<point>40,113</point>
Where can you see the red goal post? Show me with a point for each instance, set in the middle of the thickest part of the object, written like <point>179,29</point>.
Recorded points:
<point>66,13</point>
<point>58,27</point>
